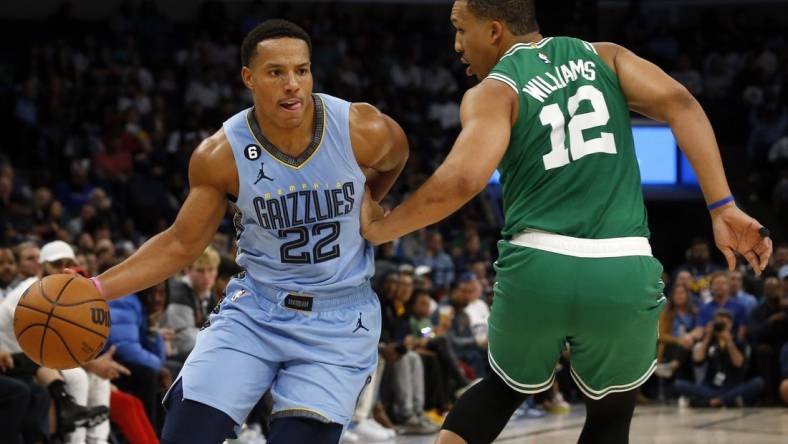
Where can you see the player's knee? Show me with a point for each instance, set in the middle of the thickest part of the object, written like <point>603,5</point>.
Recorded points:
<point>290,430</point>
<point>190,422</point>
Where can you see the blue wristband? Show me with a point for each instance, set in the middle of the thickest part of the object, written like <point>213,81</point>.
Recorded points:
<point>720,203</point>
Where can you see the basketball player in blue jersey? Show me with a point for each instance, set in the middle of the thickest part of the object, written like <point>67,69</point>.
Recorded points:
<point>302,320</point>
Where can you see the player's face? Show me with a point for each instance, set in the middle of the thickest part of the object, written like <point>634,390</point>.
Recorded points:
<point>473,40</point>
<point>280,78</point>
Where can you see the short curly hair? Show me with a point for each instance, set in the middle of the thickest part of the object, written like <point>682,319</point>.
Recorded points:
<point>271,29</point>
<point>518,15</point>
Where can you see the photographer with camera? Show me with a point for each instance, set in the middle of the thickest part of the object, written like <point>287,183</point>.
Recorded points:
<point>726,359</point>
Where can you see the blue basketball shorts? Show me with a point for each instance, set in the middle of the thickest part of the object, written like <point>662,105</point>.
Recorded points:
<point>316,361</point>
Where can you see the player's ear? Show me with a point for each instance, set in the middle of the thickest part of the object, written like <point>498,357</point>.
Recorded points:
<point>496,31</point>
<point>246,77</point>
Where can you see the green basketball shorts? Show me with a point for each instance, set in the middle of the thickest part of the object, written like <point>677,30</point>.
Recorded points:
<point>601,297</point>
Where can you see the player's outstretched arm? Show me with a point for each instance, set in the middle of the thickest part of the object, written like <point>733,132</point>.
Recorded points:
<point>486,114</point>
<point>380,146</point>
<point>653,93</point>
<point>210,170</point>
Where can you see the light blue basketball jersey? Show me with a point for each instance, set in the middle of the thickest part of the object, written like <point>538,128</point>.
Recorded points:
<point>298,220</point>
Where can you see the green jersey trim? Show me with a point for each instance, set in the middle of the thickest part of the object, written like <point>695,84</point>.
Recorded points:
<point>502,78</point>
<point>518,46</point>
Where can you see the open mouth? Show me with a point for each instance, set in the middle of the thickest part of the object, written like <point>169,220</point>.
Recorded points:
<point>467,64</point>
<point>291,105</point>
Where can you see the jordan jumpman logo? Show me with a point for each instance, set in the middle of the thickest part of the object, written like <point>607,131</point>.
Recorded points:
<point>261,175</point>
<point>359,325</point>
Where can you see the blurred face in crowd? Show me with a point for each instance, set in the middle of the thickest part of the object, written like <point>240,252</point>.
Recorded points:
<point>435,242</point>
<point>473,244</point>
<point>479,269</point>
<point>475,40</point>
<point>280,78</point>
<point>85,242</point>
<point>390,285</point>
<point>720,287</point>
<point>421,308</point>
<point>475,288</point>
<point>736,281</point>
<point>684,279</point>
<point>105,250</point>
<point>423,282</point>
<point>202,277</point>
<point>28,265</point>
<point>461,294</point>
<point>57,267</point>
<point>158,298</point>
<point>405,288</point>
<point>7,267</point>
<point>699,253</point>
<point>781,256</point>
<point>772,291</point>
<point>680,296</point>
<point>387,251</point>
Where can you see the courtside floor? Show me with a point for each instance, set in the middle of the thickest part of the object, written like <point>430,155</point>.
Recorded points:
<point>655,425</point>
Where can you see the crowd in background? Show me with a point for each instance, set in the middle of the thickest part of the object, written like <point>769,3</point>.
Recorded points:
<point>105,121</point>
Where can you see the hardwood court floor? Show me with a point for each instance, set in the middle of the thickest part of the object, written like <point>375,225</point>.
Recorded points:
<point>655,425</point>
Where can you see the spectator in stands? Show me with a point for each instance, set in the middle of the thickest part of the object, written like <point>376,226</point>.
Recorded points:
<point>471,252</point>
<point>403,365</point>
<point>438,260</point>
<point>70,389</point>
<point>769,332</point>
<point>477,309</point>
<point>746,300</point>
<point>678,332</point>
<point>726,360</point>
<point>700,266</point>
<point>27,255</point>
<point>8,275</point>
<point>684,278</point>
<point>432,337</point>
<point>140,348</point>
<point>720,292</point>
<point>191,299</point>
<point>465,345</point>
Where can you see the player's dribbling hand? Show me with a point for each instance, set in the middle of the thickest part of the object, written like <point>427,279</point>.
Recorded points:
<point>736,232</point>
<point>371,212</point>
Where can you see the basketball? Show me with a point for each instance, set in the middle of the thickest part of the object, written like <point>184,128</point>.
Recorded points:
<point>62,321</point>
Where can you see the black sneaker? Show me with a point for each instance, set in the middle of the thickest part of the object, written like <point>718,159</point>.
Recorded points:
<point>71,415</point>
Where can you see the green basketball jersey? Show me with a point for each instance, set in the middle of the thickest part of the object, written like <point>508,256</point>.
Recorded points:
<point>570,167</point>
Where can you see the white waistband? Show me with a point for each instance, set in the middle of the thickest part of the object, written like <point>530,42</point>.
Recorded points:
<point>574,246</point>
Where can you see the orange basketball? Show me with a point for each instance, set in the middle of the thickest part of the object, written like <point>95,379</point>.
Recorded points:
<point>62,321</point>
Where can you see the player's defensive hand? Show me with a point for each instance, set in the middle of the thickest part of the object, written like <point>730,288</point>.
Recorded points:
<point>371,212</point>
<point>106,367</point>
<point>736,232</point>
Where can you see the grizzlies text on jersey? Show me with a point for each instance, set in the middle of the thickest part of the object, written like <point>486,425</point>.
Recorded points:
<point>298,219</point>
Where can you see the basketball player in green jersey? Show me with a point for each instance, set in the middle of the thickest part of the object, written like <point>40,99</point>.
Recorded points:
<point>575,265</point>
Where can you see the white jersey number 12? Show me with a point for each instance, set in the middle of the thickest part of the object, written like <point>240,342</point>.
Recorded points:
<point>579,147</point>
